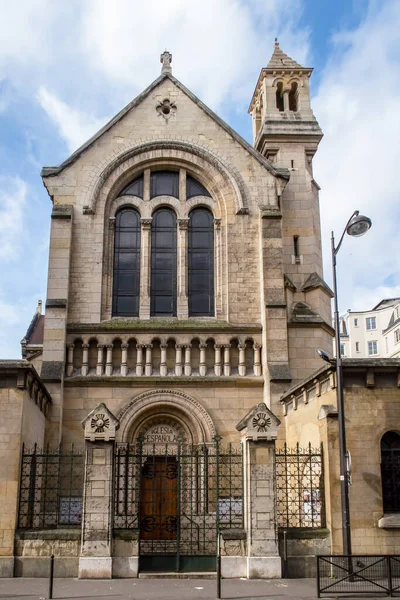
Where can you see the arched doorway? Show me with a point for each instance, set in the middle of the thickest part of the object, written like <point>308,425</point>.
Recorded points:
<point>172,485</point>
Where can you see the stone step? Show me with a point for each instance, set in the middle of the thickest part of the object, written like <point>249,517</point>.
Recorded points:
<point>172,575</point>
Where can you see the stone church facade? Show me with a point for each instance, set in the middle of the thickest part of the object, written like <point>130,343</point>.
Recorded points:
<point>185,296</point>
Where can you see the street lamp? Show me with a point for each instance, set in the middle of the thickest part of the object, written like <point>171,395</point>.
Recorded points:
<point>356,226</point>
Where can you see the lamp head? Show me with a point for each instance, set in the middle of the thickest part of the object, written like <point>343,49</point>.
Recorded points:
<point>358,225</point>
<point>325,356</point>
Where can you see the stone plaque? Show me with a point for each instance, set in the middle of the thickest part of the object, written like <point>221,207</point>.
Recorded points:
<point>161,434</point>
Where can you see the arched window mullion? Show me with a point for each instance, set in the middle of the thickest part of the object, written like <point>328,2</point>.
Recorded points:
<point>163,289</point>
<point>126,271</point>
<point>201,263</point>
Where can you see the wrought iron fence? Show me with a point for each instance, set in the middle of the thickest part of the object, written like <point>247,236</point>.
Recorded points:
<point>299,476</point>
<point>358,574</point>
<point>51,488</point>
<point>177,496</point>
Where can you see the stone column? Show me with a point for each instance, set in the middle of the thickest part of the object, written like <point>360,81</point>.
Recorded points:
<point>217,362</point>
<point>218,267</point>
<point>242,360</point>
<point>182,306</point>
<point>109,359</point>
<point>139,360</point>
<point>95,561</point>
<point>227,360</point>
<point>188,366</point>
<point>257,359</point>
<point>148,369</point>
<point>124,359</point>
<point>99,366</point>
<point>145,259</point>
<point>286,99</point>
<point>163,363</point>
<point>85,359</point>
<point>203,366</point>
<point>178,360</point>
<point>259,431</point>
<point>70,359</point>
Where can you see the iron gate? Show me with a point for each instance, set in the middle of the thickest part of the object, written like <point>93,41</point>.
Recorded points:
<point>177,497</point>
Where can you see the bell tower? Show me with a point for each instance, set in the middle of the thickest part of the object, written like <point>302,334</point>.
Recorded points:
<point>287,133</point>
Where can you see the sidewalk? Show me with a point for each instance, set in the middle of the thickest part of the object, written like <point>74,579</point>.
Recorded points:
<point>158,589</point>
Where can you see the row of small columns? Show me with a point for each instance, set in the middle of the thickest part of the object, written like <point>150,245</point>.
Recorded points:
<point>222,365</point>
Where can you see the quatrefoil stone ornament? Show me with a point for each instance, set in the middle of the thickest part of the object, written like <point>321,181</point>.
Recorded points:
<point>100,424</point>
<point>166,109</point>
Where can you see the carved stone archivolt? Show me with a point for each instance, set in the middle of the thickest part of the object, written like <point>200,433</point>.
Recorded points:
<point>187,415</point>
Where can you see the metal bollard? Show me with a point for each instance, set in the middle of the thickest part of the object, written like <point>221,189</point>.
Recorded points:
<point>285,569</point>
<point>219,572</point>
<point>219,576</point>
<point>51,576</point>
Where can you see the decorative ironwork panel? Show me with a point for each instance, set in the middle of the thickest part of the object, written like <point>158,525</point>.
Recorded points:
<point>178,496</point>
<point>299,487</point>
<point>51,489</point>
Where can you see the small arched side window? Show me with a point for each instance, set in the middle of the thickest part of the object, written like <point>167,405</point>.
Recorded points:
<point>390,471</point>
<point>163,264</point>
<point>134,188</point>
<point>201,263</point>
<point>195,188</point>
<point>126,275</point>
<point>279,97</point>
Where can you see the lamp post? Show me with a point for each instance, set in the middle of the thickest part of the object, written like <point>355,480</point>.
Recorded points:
<point>356,226</point>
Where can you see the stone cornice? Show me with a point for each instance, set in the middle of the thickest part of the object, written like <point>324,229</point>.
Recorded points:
<point>121,325</point>
<point>27,378</point>
<point>140,382</point>
<point>367,368</point>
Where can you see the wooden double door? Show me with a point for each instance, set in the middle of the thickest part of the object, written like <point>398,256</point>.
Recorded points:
<point>159,502</point>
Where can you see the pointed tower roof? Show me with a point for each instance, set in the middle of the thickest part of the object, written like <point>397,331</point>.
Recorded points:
<point>280,60</point>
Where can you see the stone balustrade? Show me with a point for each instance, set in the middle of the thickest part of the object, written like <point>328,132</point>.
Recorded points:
<point>122,356</point>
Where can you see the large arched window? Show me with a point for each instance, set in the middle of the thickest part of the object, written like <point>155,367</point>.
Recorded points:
<point>163,263</point>
<point>390,471</point>
<point>164,183</point>
<point>126,264</point>
<point>201,263</point>
<point>134,188</point>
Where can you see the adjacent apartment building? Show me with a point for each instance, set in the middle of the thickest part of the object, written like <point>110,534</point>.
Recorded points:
<point>372,333</point>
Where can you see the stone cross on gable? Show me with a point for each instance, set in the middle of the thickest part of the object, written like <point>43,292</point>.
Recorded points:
<point>166,60</point>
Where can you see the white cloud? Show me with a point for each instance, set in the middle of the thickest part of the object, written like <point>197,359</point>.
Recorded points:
<point>357,106</point>
<point>218,50</point>
<point>74,126</point>
<point>13,192</point>
<point>218,46</point>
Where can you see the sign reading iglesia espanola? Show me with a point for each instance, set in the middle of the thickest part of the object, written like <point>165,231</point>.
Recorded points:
<point>161,434</point>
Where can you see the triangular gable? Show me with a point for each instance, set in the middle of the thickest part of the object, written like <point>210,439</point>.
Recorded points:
<point>277,172</point>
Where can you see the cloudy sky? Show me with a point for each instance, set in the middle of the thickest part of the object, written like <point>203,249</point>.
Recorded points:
<point>68,67</point>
